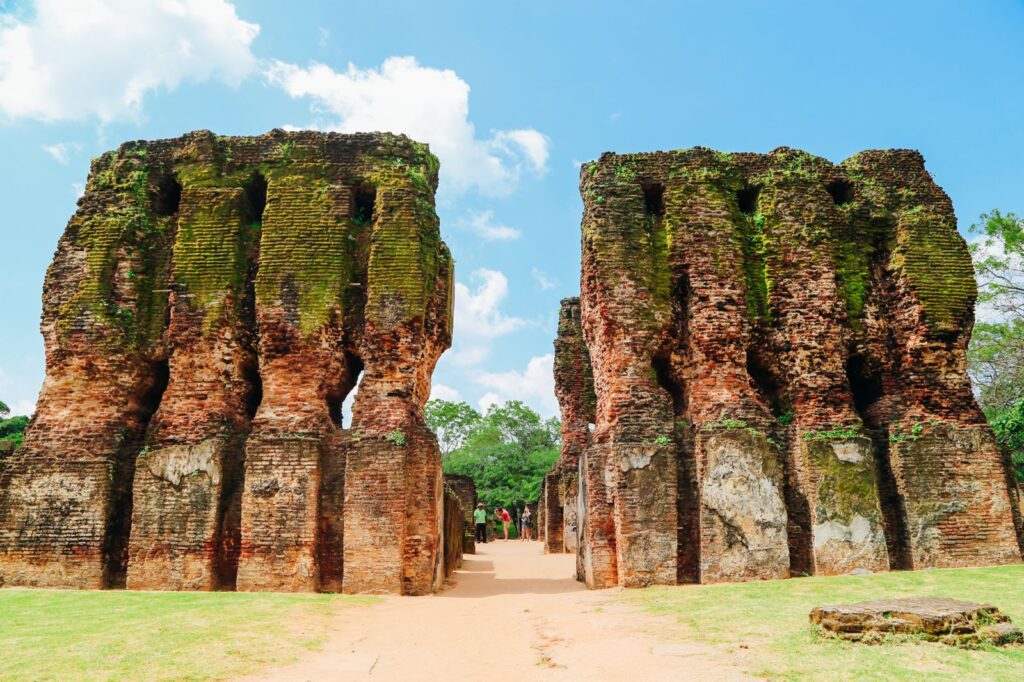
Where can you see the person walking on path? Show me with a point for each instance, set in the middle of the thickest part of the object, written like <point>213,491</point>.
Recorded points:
<point>526,521</point>
<point>505,519</point>
<point>480,521</point>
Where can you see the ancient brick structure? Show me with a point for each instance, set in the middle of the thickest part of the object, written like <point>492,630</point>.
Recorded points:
<point>779,361</point>
<point>574,386</point>
<point>465,490</point>
<point>211,304</point>
<point>454,531</point>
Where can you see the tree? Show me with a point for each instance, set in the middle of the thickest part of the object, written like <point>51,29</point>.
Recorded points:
<point>452,422</point>
<point>12,428</point>
<point>996,353</point>
<point>506,451</point>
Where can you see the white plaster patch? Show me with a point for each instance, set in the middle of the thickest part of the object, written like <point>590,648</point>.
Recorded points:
<point>174,463</point>
<point>857,532</point>
<point>852,453</point>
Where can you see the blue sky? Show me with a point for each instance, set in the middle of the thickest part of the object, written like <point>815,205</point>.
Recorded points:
<point>512,97</point>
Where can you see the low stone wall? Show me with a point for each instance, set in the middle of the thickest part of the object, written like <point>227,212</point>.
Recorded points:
<point>454,531</point>
<point>465,490</point>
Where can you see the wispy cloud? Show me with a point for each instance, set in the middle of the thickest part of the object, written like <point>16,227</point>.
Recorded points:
<point>482,224</point>
<point>427,104</point>
<point>99,59</point>
<point>61,151</point>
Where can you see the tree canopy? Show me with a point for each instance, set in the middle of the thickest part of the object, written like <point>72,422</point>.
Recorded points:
<point>996,353</point>
<point>12,428</point>
<point>507,450</point>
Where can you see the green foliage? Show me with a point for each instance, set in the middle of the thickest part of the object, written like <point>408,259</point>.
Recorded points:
<point>834,434</point>
<point>786,418</point>
<point>506,451</point>
<point>452,422</point>
<point>1009,428</point>
<point>996,353</point>
<point>12,428</point>
<point>899,435</point>
<point>726,424</point>
<point>396,437</point>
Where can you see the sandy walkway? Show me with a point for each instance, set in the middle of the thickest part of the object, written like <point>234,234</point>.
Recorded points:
<point>513,613</point>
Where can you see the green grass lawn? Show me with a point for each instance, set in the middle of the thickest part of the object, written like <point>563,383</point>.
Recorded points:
<point>117,635</point>
<point>770,617</point>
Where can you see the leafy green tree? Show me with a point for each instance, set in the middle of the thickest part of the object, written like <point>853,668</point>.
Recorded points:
<point>452,422</point>
<point>12,428</point>
<point>996,353</point>
<point>1009,428</point>
<point>506,451</point>
<point>997,348</point>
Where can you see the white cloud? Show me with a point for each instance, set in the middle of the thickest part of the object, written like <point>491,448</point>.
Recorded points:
<point>478,312</point>
<point>535,385</point>
<point>487,400</point>
<point>17,405</point>
<point>542,280</point>
<point>482,224</point>
<point>79,189</point>
<point>534,144</point>
<point>429,105</point>
<point>479,318</point>
<point>80,59</point>
<point>61,151</point>
<point>442,392</point>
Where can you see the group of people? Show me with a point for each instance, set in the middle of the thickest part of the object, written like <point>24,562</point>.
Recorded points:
<point>503,517</point>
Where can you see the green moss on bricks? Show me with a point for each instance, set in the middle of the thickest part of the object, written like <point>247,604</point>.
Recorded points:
<point>210,252</point>
<point>121,238</point>
<point>753,245</point>
<point>936,262</point>
<point>303,263</point>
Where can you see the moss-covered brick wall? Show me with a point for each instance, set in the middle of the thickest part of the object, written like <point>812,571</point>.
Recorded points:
<point>211,304</point>
<point>777,323</point>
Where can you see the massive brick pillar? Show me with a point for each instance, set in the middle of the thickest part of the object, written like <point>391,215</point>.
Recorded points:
<point>65,497</point>
<point>832,461</point>
<point>408,325</point>
<point>212,303</point>
<point>187,486</point>
<point>574,387</point>
<point>949,477</point>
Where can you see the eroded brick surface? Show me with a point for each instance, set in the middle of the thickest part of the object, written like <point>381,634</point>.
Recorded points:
<point>778,348</point>
<point>212,302</point>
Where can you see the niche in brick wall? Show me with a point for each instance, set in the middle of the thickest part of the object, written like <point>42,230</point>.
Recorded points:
<point>255,197</point>
<point>654,198</point>
<point>746,199</point>
<point>841,191</point>
<point>167,199</point>
<point>364,203</point>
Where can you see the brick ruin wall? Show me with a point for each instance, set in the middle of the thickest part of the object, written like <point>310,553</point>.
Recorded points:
<point>211,304</point>
<point>465,489</point>
<point>778,349</point>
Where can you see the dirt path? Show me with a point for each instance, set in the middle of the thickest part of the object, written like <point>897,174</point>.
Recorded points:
<point>513,613</point>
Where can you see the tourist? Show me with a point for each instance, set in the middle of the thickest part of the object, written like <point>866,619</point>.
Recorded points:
<point>505,519</point>
<point>480,520</point>
<point>527,524</point>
